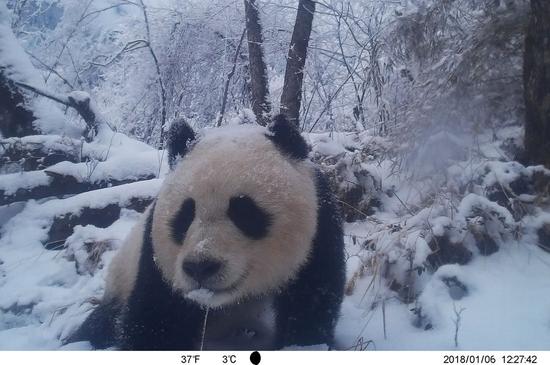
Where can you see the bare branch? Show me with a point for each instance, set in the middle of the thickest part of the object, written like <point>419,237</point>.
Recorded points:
<point>128,47</point>
<point>105,9</point>
<point>229,77</point>
<point>65,81</point>
<point>81,105</point>
<point>159,75</point>
<point>71,35</point>
<point>60,99</point>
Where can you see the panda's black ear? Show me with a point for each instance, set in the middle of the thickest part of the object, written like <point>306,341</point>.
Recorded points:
<point>287,138</point>
<point>180,136</point>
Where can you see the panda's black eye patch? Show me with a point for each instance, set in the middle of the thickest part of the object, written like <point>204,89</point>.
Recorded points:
<point>183,219</point>
<point>252,220</point>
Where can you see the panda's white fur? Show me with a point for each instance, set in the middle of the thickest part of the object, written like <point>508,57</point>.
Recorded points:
<point>256,272</point>
<point>121,276</point>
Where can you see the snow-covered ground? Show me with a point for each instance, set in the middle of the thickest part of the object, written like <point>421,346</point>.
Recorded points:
<point>507,307</point>
<point>404,289</point>
<point>495,302</point>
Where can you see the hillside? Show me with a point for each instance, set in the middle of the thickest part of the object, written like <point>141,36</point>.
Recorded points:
<point>465,241</point>
<point>414,109</point>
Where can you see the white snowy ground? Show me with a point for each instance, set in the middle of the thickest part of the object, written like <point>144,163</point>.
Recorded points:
<point>506,307</point>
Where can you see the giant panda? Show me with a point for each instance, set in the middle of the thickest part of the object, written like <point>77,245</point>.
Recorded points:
<point>242,249</point>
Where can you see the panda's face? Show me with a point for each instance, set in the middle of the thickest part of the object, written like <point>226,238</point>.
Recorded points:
<point>234,219</point>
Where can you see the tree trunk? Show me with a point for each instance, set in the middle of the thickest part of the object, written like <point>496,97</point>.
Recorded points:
<point>297,52</point>
<point>15,119</point>
<point>228,79</point>
<point>258,70</point>
<point>63,225</point>
<point>536,80</point>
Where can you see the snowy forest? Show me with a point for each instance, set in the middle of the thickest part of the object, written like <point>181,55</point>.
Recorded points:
<point>431,119</point>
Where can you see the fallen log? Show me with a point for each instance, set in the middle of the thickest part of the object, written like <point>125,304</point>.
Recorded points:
<point>38,152</point>
<point>102,217</point>
<point>59,185</point>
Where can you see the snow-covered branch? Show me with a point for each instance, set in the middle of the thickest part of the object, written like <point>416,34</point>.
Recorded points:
<point>78,100</point>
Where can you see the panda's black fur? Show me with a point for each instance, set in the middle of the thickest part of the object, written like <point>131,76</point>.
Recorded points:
<point>306,309</point>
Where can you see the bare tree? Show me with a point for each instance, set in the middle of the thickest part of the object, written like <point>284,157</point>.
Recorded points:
<point>162,89</point>
<point>296,59</point>
<point>258,70</point>
<point>228,79</point>
<point>536,79</point>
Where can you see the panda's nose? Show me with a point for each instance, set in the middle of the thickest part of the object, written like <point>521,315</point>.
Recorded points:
<point>201,270</point>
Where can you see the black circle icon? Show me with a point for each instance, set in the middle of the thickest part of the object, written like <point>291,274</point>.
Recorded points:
<point>255,358</point>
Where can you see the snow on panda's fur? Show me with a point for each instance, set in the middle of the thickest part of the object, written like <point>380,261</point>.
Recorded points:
<point>243,225</point>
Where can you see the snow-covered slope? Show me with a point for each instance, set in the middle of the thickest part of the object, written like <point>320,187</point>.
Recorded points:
<point>416,266</point>
<point>456,257</point>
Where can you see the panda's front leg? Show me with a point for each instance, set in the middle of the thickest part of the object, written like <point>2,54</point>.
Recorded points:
<point>306,317</point>
<point>156,317</point>
<point>308,308</point>
<point>160,323</point>
<point>99,327</point>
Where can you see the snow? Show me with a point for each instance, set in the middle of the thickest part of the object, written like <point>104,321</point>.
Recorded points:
<point>52,120</point>
<point>12,56</point>
<point>506,300</point>
<point>332,144</point>
<point>432,172</point>
<point>440,225</point>
<point>120,159</point>
<point>80,96</point>
<point>18,67</point>
<point>103,239</point>
<point>45,141</point>
<point>42,296</point>
<point>473,202</point>
<point>117,168</point>
<point>10,183</point>
<point>502,172</point>
<point>506,308</point>
<point>200,295</point>
<point>503,299</point>
<point>437,152</point>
